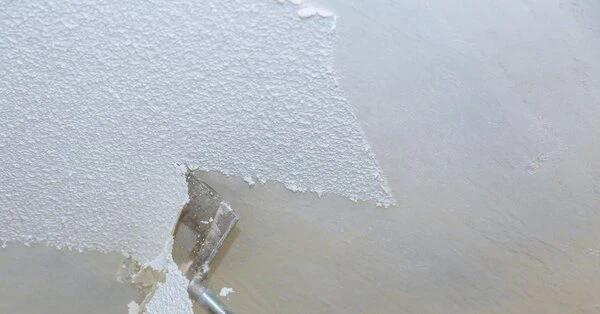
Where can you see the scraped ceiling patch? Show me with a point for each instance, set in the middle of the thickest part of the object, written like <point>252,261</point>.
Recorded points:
<point>101,99</point>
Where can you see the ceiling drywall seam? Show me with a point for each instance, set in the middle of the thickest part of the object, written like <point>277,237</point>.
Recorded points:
<point>103,102</point>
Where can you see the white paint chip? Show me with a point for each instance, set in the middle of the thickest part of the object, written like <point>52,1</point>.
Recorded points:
<point>225,291</point>
<point>249,180</point>
<point>133,308</point>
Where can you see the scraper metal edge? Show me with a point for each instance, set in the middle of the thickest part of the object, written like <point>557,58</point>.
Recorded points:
<point>204,224</point>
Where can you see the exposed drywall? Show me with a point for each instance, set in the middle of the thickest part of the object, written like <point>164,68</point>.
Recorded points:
<point>485,118</point>
<point>40,279</point>
<point>103,101</point>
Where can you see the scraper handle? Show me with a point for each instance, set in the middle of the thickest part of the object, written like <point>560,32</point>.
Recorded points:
<point>208,299</point>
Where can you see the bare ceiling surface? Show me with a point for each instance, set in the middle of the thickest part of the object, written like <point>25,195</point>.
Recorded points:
<point>484,117</point>
<point>297,253</point>
<point>39,279</point>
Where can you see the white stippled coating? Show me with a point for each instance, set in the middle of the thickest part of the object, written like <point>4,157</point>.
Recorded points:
<point>170,296</point>
<point>101,101</point>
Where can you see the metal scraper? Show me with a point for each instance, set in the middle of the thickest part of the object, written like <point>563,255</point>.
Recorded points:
<point>204,223</point>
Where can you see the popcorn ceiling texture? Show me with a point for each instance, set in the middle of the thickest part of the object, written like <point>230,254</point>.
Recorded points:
<point>100,101</point>
<point>170,296</point>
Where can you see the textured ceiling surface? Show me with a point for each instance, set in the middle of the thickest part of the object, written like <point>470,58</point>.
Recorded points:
<point>104,102</point>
